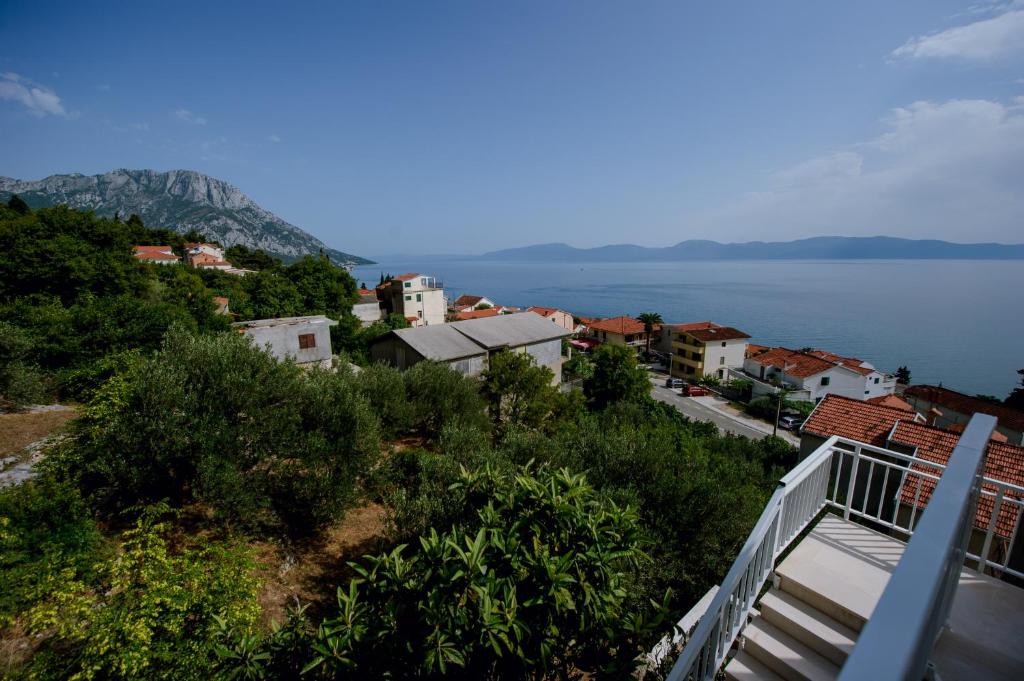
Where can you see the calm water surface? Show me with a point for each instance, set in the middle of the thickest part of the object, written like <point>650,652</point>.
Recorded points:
<point>956,322</point>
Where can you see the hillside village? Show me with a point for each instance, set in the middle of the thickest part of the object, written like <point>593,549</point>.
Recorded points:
<point>313,421</point>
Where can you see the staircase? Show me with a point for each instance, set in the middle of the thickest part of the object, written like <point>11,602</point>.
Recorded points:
<point>824,593</point>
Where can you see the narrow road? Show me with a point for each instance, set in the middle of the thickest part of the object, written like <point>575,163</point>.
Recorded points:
<point>692,408</point>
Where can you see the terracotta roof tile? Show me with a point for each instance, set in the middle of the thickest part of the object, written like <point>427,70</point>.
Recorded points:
<point>967,405</point>
<point>717,333</point>
<point>406,277</point>
<point>892,401</point>
<point>467,301</point>
<point>475,314</point>
<point>793,362</point>
<point>1003,462</point>
<point>853,419</point>
<point>621,325</point>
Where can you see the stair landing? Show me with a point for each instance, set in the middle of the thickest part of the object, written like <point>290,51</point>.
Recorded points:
<point>829,585</point>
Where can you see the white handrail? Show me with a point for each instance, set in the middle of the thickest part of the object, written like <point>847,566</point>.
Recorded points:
<point>920,592</point>
<point>800,495</point>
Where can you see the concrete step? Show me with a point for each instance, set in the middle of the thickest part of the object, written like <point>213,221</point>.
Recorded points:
<point>826,636</point>
<point>745,667</point>
<point>784,655</point>
<point>840,569</point>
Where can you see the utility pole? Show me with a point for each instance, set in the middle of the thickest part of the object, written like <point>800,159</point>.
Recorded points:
<point>780,394</point>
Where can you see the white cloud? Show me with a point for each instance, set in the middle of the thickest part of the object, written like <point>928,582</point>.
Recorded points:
<point>189,117</point>
<point>38,99</point>
<point>991,38</point>
<point>274,138</point>
<point>951,170</point>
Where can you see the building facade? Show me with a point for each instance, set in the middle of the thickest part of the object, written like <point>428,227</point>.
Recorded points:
<point>304,340</point>
<point>556,316</point>
<point>705,349</point>
<point>419,298</point>
<point>813,374</point>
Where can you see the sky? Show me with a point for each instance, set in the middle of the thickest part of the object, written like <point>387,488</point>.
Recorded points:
<point>421,128</point>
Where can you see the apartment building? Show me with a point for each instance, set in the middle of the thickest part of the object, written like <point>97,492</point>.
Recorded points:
<point>417,297</point>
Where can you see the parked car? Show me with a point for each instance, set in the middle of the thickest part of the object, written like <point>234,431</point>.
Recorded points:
<point>674,383</point>
<point>790,422</point>
<point>691,390</point>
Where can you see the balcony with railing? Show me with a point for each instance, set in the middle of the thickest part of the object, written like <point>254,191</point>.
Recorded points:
<point>872,564</point>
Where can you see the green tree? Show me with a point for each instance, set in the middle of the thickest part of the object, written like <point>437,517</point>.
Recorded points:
<point>649,320</point>
<point>441,397</point>
<point>16,204</point>
<point>213,418</point>
<point>903,375</point>
<point>250,258</point>
<point>1016,397</point>
<point>21,382</point>
<point>616,377</point>
<point>517,391</point>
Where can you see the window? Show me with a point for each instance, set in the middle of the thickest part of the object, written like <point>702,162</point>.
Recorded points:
<point>419,297</point>
<point>825,380</point>
<point>721,361</point>
<point>306,341</point>
<point>408,297</point>
<point>408,284</point>
<point>723,344</point>
<point>876,381</point>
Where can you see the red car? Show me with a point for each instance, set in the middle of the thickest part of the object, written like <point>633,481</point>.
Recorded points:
<point>690,390</point>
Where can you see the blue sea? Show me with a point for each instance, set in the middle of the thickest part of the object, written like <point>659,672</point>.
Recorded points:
<point>955,322</point>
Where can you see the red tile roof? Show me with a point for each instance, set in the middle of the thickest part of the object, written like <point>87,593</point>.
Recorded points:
<point>754,349</point>
<point>406,277</point>
<point>693,326</point>
<point>853,419</point>
<point>475,314</point>
<point>155,253</point>
<point>848,362</point>
<point>367,292</point>
<point>967,405</point>
<point>892,401</point>
<point>620,325</point>
<point>717,333</point>
<point>545,311</point>
<point>467,301</point>
<point>1003,462</point>
<point>793,362</point>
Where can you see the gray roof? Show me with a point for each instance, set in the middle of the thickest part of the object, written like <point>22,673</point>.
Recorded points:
<point>441,342</point>
<point>510,330</point>
<point>284,321</point>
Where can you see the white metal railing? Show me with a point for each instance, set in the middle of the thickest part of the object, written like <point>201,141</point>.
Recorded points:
<point>871,484</point>
<point>800,495</point>
<point>920,592</point>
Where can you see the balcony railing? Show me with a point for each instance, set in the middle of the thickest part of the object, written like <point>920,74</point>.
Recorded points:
<point>877,486</point>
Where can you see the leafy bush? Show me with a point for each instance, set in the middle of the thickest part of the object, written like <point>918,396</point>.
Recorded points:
<point>535,586</point>
<point>44,525</point>
<point>214,419</point>
<point>517,391</point>
<point>149,613</point>
<point>21,382</point>
<point>384,389</point>
<point>441,396</point>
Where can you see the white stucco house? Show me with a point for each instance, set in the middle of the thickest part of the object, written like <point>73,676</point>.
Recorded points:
<point>813,374</point>
<point>417,297</point>
<point>305,340</point>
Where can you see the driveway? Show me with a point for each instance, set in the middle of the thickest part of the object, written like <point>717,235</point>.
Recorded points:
<point>717,410</point>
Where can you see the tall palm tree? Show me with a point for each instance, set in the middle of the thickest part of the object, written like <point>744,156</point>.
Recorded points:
<point>649,319</point>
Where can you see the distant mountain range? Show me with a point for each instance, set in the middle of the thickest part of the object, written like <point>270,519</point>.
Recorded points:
<point>180,200</point>
<point>816,248</point>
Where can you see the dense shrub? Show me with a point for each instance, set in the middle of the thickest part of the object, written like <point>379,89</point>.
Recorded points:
<point>149,612</point>
<point>384,389</point>
<point>214,419</point>
<point>534,587</point>
<point>441,396</point>
<point>517,391</point>
<point>21,382</point>
<point>44,526</point>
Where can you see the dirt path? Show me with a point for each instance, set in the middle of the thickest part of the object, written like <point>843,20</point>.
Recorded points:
<point>24,437</point>
<point>312,571</point>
